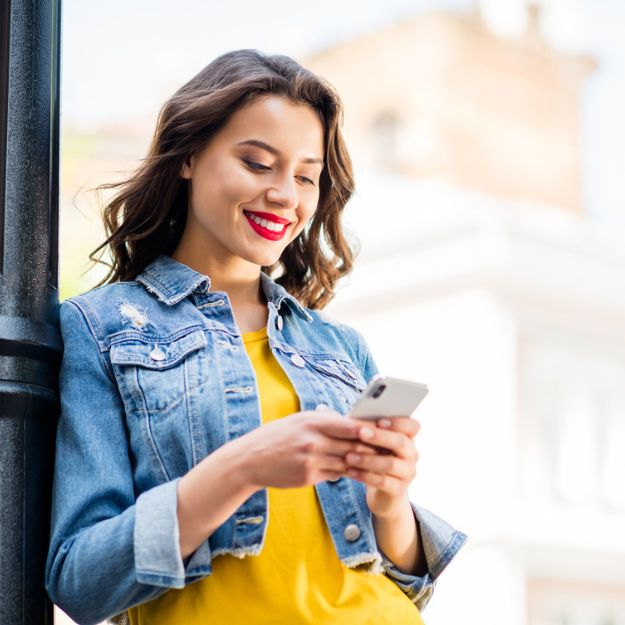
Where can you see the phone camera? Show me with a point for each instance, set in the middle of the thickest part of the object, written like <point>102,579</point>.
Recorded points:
<point>378,391</point>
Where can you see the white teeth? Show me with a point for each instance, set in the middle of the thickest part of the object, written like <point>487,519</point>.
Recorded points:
<point>270,225</point>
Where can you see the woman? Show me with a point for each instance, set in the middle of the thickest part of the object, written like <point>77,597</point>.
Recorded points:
<point>203,393</point>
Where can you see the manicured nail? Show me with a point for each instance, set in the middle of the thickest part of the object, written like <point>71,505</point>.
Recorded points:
<point>366,432</point>
<point>385,423</point>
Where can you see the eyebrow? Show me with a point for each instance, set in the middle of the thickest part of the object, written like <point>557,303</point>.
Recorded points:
<point>274,151</point>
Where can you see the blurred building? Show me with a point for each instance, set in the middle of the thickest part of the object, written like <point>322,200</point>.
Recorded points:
<point>481,276</point>
<point>439,96</point>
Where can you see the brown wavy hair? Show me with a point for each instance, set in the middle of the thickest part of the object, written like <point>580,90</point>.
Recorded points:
<point>147,215</point>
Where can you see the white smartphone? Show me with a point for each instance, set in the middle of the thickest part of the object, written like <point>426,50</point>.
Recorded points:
<point>386,396</point>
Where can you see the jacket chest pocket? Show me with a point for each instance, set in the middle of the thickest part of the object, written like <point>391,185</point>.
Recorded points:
<point>154,375</point>
<point>340,376</point>
<point>158,380</point>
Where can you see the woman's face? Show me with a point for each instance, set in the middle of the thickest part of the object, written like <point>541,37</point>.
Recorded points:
<point>264,164</point>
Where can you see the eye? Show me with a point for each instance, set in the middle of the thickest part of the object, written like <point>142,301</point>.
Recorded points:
<point>308,180</point>
<point>254,165</point>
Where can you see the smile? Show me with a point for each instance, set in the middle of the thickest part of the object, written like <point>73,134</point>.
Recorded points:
<point>266,228</point>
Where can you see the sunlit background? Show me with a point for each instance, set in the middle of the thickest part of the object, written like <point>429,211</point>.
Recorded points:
<point>487,139</point>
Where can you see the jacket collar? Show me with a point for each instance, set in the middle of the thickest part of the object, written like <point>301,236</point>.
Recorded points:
<point>171,281</point>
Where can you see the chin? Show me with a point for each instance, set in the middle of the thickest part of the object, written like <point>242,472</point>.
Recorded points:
<point>264,260</point>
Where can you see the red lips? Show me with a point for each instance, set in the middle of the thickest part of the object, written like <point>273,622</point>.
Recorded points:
<point>270,217</point>
<point>266,233</point>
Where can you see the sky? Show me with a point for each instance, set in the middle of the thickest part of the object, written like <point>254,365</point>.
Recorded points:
<point>122,59</point>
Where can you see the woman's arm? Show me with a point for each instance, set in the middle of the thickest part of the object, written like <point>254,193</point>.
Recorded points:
<point>92,569</point>
<point>297,450</point>
<point>400,541</point>
<point>101,557</point>
<point>210,493</point>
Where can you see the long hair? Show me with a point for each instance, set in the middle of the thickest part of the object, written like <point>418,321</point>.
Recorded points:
<point>147,215</point>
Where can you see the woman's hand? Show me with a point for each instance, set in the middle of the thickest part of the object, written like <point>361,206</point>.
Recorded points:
<point>300,449</point>
<point>386,474</point>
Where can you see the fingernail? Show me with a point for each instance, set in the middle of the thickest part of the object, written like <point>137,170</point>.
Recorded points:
<point>385,423</point>
<point>366,433</point>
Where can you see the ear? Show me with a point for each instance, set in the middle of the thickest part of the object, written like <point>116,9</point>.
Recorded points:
<point>185,171</point>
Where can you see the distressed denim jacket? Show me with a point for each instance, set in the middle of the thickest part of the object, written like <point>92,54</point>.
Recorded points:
<point>154,377</point>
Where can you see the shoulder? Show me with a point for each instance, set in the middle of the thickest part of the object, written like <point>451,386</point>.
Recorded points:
<point>350,337</point>
<point>325,319</point>
<point>351,340</point>
<point>100,308</point>
<point>103,296</point>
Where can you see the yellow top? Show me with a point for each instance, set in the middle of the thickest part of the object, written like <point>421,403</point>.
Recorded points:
<point>297,577</point>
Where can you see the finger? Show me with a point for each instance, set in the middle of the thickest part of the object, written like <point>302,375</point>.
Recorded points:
<point>387,483</point>
<point>334,464</point>
<point>334,425</point>
<point>330,475</point>
<point>320,443</point>
<point>408,426</point>
<point>388,465</point>
<point>396,442</point>
<point>371,423</point>
<point>340,428</point>
<point>341,447</point>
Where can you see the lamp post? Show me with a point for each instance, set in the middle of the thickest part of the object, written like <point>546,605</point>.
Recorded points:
<point>30,344</point>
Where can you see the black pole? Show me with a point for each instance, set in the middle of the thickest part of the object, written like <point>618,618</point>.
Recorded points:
<point>30,345</point>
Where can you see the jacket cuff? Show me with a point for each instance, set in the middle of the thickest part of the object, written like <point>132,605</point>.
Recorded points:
<point>158,560</point>
<point>440,542</point>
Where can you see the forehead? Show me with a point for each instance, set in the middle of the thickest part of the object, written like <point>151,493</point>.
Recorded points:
<point>277,120</point>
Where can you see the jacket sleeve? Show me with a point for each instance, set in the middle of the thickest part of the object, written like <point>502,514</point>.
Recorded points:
<point>440,540</point>
<point>108,550</point>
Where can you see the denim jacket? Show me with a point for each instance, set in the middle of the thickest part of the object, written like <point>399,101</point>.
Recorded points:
<point>154,377</point>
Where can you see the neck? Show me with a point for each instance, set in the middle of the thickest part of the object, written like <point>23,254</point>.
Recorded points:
<point>238,278</point>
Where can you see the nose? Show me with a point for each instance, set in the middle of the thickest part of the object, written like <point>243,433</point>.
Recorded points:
<point>283,192</point>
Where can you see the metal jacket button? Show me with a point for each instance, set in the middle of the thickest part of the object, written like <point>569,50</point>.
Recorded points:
<point>157,353</point>
<point>352,532</point>
<point>297,360</point>
<point>334,479</point>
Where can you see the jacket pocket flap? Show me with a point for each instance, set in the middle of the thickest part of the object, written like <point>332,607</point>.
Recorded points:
<point>157,354</point>
<point>339,368</point>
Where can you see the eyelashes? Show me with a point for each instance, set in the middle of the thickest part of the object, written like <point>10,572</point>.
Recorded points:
<point>253,165</point>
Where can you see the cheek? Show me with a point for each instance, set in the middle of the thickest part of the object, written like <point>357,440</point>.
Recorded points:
<point>304,219</point>
<point>238,184</point>
<point>311,205</point>
<point>222,190</point>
